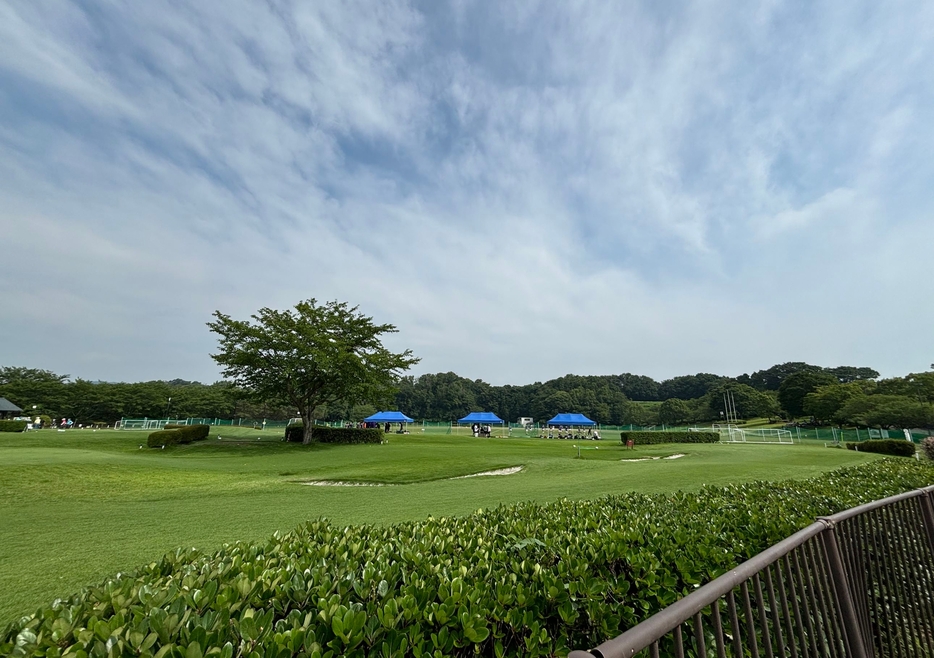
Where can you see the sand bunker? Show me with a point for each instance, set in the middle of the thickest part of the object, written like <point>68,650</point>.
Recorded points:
<point>339,483</point>
<point>500,471</point>
<point>649,459</point>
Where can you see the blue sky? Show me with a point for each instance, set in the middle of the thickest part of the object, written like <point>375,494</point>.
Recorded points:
<point>524,189</point>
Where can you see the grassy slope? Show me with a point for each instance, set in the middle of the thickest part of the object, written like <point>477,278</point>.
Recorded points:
<point>77,506</point>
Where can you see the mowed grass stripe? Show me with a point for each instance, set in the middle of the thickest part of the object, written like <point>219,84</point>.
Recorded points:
<point>77,506</point>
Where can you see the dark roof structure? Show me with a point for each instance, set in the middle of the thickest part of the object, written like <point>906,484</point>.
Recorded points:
<point>8,407</point>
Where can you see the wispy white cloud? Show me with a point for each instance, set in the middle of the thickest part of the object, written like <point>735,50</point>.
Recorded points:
<point>525,189</point>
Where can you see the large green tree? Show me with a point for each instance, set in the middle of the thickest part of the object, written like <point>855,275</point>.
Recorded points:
<point>638,387</point>
<point>881,410</point>
<point>689,387</point>
<point>747,401</point>
<point>316,355</point>
<point>26,387</point>
<point>846,374</point>
<point>796,386</point>
<point>674,411</point>
<point>826,403</point>
<point>771,378</point>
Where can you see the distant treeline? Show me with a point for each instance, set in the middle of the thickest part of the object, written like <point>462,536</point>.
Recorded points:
<point>609,399</point>
<point>842,395</point>
<point>86,401</point>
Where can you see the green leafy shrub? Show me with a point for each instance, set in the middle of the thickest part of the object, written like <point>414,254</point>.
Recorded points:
<point>176,434</point>
<point>895,447</point>
<point>529,580</point>
<point>322,434</point>
<point>13,425</point>
<point>927,447</point>
<point>162,438</point>
<point>191,433</point>
<point>651,438</point>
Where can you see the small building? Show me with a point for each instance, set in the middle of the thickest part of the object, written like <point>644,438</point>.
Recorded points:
<point>8,409</point>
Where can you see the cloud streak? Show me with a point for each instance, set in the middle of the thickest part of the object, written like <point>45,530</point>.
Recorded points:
<point>525,190</point>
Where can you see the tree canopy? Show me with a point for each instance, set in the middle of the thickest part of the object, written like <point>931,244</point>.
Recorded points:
<point>689,387</point>
<point>316,355</point>
<point>771,379</point>
<point>796,386</point>
<point>826,403</point>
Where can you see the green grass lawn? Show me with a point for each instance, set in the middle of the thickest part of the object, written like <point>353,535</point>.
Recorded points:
<point>76,506</point>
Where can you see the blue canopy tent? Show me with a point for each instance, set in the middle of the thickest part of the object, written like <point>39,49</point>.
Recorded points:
<point>571,419</point>
<point>388,417</point>
<point>482,417</point>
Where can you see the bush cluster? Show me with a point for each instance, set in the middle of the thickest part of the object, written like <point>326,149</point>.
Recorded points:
<point>175,434</point>
<point>895,447</point>
<point>927,447</point>
<point>526,579</point>
<point>651,438</point>
<point>13,425</point>
<point>322,434</point>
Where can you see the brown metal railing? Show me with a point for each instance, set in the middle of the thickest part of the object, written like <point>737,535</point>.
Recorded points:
<point>858,584</point>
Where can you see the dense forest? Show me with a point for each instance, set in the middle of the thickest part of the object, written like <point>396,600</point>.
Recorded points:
<point>86,401</point>
<point>795,390</point>
<point>778,392</point>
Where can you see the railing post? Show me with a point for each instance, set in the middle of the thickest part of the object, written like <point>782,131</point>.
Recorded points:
<point>927,514</point>
<point>841,586</point>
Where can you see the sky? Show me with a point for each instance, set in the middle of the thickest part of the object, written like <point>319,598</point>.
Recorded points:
<point>525,189</point>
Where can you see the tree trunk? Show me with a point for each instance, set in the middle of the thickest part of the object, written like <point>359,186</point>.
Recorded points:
<point>308,421</point>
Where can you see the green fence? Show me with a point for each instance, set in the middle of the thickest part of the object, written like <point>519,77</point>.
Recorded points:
<point>157,423</point>
<point>834,434</point>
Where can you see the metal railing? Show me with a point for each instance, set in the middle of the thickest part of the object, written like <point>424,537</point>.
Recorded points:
<point>859,583</point>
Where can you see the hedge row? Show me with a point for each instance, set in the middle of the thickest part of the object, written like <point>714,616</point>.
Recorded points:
<point>651,438</point>
<point>175,434</point>
<point>530,580</point>
<point>322,434</point>
<point>13,425</point>
<point>895,447</point>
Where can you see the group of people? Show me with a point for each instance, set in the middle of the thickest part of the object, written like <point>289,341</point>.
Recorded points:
<point>568,432</point>
<point>481,430</point>
<point>388,428</point>
<point>37,424</point>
